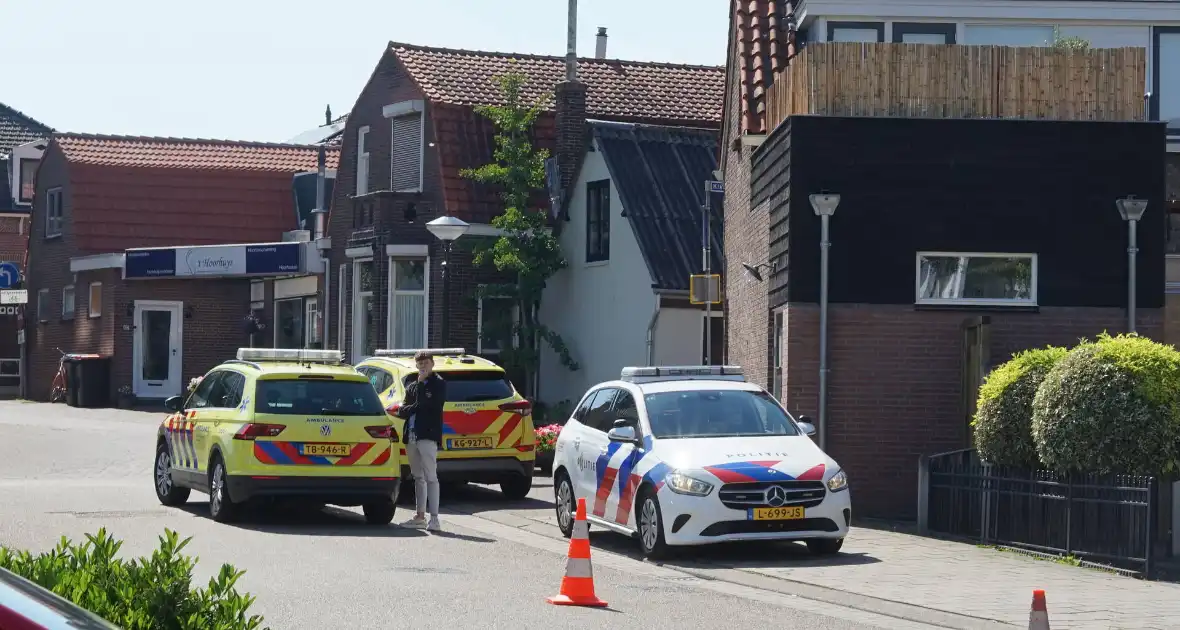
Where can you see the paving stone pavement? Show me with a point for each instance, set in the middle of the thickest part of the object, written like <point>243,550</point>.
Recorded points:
<point>949,576</point>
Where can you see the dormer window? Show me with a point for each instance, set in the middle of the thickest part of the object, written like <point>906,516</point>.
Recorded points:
<point>406,147</point>
<point>28,180</point>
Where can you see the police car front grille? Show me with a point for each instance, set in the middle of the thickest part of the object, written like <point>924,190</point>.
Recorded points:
<point>743,496</point>
<point>771,527</point>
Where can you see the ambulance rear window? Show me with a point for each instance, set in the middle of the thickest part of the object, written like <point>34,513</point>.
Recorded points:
<point>307,397</point>
<point>473,386</point>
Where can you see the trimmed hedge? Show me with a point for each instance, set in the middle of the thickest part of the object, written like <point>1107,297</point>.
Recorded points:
<point>151,593</point>
<point>1003,417</point>
<point>1111,406</point>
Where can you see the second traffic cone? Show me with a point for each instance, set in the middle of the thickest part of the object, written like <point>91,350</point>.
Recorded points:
<point>577,587</point>
<point>1038,617</point>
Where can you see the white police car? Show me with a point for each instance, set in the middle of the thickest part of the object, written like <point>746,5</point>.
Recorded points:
<point>694,455</point>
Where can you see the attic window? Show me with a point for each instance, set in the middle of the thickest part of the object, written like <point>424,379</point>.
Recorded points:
<point>408,128</point>
<point>28,180</point>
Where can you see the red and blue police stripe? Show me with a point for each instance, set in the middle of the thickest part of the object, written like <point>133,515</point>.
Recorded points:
<point>291,454</point>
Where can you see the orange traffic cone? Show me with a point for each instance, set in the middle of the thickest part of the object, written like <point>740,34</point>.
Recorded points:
<point>577,587</point>
<point>1038,617</point>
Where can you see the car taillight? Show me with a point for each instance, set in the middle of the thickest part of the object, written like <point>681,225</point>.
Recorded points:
<point>523,407</point>
<point>382,433</point>
<point>251,431</point>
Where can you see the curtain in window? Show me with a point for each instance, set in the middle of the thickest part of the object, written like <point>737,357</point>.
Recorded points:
<point>409,310</point>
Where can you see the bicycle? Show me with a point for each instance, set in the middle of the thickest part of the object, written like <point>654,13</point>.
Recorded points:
<point>58,393</point>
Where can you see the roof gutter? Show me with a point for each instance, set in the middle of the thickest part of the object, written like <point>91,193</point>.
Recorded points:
<point>651,332</point>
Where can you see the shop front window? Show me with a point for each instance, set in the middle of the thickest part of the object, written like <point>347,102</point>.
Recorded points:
<point>289,323</point>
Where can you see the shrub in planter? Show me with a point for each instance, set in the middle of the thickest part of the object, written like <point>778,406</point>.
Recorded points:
<point>150,593</point>
<point>1111,406</point>
<point>1003,417</point>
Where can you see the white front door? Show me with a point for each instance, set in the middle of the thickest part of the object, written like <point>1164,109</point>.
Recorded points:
<point>363,317</point>
<point>157,349</point>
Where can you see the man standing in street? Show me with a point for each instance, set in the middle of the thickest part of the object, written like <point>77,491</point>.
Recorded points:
<point>423,411</point>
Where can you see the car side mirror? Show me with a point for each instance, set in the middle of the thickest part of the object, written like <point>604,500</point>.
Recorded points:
<point>806,425</point>
<point>625,422</point>
<point>174,403</point>
<point>622,434</point>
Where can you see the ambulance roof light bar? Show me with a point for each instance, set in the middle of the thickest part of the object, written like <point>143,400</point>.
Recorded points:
<point>410,352</point>
<point>259,355</point>
<point>682,372</point>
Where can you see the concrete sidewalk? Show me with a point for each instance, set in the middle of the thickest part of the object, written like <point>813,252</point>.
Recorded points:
<point>888,573</point>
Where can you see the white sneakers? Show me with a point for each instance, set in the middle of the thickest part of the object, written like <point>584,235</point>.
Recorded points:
<point>419,522</point>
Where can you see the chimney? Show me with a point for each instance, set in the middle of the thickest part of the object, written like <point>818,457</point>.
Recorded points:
<point>600,45</point>
<point>570,109</point>
<point>328,114</point>
<point>571,43</point>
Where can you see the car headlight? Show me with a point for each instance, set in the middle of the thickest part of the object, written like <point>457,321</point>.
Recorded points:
<point>681,483</point>
<point>838,482</point>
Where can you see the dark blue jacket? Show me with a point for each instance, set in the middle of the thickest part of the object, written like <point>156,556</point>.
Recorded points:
<point>424,400</point>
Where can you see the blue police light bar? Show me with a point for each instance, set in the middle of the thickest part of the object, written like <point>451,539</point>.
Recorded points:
<point>409,352</point>
<point>261,355</point>
<point>683,372</point>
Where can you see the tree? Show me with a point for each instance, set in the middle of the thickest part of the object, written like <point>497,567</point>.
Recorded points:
<point>1068,43</point>
<point>527,249</point>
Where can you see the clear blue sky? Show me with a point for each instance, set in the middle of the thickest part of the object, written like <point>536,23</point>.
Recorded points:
<point>265,69</point>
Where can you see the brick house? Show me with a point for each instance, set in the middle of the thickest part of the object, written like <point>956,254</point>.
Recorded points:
<point>120,228</point>
<point>21,142</point>
<point>919,190</point>
<point>414,127</point>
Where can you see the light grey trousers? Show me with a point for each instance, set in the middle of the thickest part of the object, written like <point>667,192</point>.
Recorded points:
<point>423,456</point>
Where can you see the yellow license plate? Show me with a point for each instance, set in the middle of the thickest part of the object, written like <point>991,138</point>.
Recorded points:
<point>483,441</point>
<point>331,450</point>
<point>777,513</point>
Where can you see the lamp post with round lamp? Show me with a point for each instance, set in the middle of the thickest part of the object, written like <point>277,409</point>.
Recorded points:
<point>447,230</point>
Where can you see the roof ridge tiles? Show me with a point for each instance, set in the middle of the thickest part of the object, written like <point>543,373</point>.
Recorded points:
<point>184,140</point>
<point>513,55</point>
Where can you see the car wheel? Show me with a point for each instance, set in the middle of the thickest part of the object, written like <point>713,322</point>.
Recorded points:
<point>516,487</point>
<point>166,491</point>
<point>379,511</point>
<point>221,506</point>
<point>405,494</point>
<point>825,546</point>
<point>651,526</point>
<point>563,501</point>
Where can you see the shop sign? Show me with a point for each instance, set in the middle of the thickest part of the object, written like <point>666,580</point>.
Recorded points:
<point>218,261</point>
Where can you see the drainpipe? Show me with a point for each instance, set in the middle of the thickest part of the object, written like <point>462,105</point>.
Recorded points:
<point>320,221</point>
<point>651,333</point>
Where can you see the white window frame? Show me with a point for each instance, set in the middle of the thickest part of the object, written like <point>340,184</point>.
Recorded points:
<point>341,305</point>
<point>70,297</point>
<point>391,262</point>
<point>479,349</point>
<point>1032,301</point>
<point>53,223</point>
<point>362,161</point>
<point>43,305</point>
<point>311,313</point>
<point>878,29</point>
<point>94,307</point>
<point>399,110</point>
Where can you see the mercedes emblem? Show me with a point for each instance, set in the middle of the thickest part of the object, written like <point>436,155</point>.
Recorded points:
<point>776,496</point>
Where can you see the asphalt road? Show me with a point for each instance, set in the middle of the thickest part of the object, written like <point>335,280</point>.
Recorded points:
<point>68,472</point>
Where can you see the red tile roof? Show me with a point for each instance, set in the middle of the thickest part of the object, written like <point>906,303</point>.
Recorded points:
<point>150,192</point>
<point>189,153</point>
<point>629,90</point>
<point>762,46</point>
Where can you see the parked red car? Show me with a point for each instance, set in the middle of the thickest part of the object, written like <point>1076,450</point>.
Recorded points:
<point>26,606</point>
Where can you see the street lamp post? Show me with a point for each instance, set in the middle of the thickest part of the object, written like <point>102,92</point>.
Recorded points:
<point>1131,210</point>
<point>824,205</point>
<point>447,230</point>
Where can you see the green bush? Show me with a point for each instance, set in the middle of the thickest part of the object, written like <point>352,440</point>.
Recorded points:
<point>1003,416</point>
<point>1111,406</point>
<point>151,593</point>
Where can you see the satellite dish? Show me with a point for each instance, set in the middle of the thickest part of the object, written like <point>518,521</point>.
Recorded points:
<point>752,272</point>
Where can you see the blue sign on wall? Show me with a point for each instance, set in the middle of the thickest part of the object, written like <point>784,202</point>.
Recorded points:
<point>224,261</point>
<point>150,263</point>
<point>279,258</point>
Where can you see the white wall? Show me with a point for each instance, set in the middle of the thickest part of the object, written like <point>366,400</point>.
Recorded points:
<point>678,336</point>
<point>600,309</point>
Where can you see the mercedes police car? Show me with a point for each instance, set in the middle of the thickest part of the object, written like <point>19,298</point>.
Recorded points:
<point>694,455</point>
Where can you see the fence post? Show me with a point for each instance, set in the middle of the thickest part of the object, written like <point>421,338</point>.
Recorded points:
<point>986,502</point>
<point>1152,503</point>
<point>1069,515</point>
<point>923,495</point>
